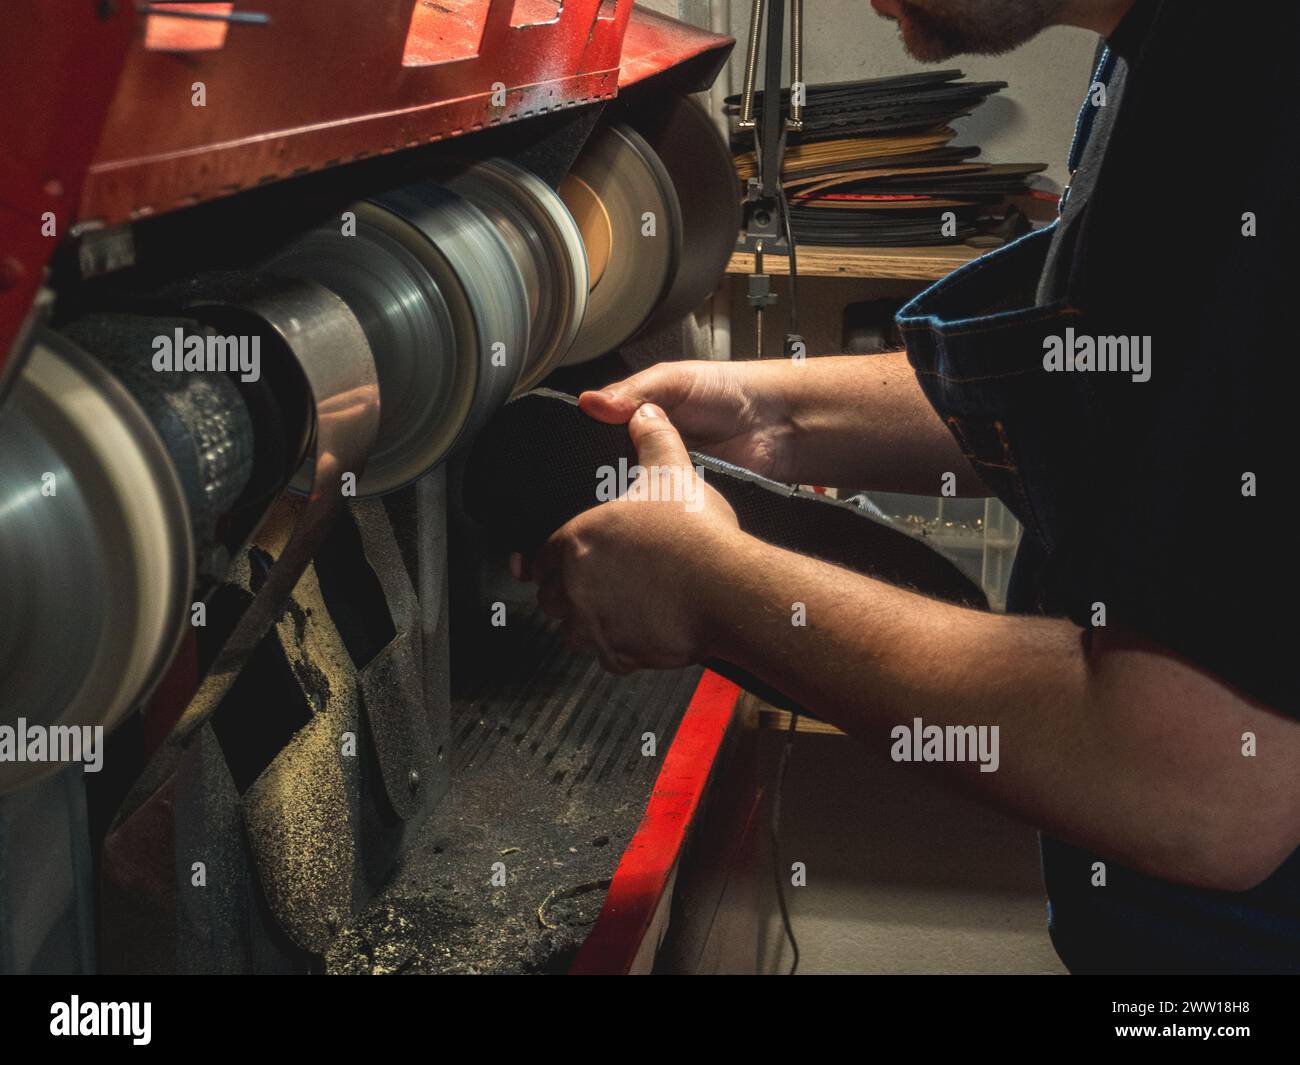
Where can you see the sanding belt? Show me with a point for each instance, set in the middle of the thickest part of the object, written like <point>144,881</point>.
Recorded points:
<point>535,467</point>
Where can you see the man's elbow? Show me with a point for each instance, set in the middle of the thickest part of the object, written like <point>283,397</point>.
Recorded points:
<point>1236,854</point>
<point>1206,814</point>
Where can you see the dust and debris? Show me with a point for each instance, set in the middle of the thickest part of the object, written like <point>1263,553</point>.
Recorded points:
<point>548,785</point>
<point>444,914</point>
<point>299,812</point>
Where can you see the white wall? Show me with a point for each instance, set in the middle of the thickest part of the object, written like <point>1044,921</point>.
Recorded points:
<point>1030,121</point>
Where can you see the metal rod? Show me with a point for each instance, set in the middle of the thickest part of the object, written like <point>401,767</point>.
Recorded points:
<point>771,149</point>
<point>253,18</point>
<point>751,65</point>
<point>797,88</point>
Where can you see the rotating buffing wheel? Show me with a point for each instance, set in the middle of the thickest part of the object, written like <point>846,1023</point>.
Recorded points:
<point>699,162</point>
<point>445,310</point>
<point>547,246</point>
<point>493,346</point>
<point>627,209</point>
<point>394,283</point>
<point>96,553</point>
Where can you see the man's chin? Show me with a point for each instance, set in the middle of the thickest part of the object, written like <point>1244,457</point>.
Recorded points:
<point>920,40</point>
<point>924,47</point>
<point>933,32</point>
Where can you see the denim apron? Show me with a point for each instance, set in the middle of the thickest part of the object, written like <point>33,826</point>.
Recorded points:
<point>976,342</point>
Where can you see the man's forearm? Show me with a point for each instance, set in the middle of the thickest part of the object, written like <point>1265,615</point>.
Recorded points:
<point>862,421</point>
<point>1123,753</point>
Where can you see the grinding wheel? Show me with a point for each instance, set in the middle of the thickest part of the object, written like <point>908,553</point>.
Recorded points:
<point>548,247</point>
<point>492,345</point>
<point>616,184</point>
<point>699,162</point>
<point>97,563</point>
<point>436,290</point>
<point>394,281</point>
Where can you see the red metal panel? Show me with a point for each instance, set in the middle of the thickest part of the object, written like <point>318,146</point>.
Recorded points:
<point>655,43</point>
<point>323,84</point>
<point>59,63</point>
<point>641,881</point>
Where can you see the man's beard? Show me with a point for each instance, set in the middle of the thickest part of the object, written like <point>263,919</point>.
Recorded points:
<point>934,30</point>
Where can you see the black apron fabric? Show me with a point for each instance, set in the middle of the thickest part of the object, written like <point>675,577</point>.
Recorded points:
<point>1105,473</point>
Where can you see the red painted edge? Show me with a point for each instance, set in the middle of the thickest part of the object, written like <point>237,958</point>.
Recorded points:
<point>642,875</point>
<point>654,43</point>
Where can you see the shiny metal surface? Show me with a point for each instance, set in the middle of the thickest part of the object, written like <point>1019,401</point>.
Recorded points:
<point>493,345</point>
<point>331,349</point>
<point>444,303</point>
<point>393,281</point>
<point>548,244</point>
<point>96,554</point>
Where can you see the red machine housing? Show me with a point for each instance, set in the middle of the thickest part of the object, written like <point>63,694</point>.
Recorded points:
<point>104,123</point>
<point>117,112</point>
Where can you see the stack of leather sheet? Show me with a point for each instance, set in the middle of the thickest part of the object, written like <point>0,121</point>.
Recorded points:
<point>875,164</point>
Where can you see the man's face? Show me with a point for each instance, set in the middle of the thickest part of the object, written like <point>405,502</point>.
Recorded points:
<point>935,30</point>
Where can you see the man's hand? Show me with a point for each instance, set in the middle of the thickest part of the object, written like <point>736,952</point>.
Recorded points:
<point>851,421</point>
<point>623,576</point>
<point>733,411</point>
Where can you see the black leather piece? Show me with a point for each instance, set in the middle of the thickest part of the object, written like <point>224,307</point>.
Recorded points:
<point>535,467</point>
<point>880,92</point>
<point>883,105</point>
<point>858,227</point>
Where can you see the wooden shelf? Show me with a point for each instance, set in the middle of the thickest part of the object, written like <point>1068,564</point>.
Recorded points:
<point>885,264</point>
<point>769,717</point>
<point>754,713</point>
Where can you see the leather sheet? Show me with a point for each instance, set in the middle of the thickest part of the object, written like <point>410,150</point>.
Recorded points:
<point>535,467</point>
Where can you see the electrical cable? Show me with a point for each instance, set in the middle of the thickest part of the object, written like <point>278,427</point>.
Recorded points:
<point>794,263</point>
<point>778,874</point>
<point>784,207</point>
